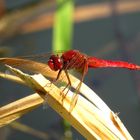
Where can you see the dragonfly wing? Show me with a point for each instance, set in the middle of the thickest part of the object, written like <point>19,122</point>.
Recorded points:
<point>40,57</point>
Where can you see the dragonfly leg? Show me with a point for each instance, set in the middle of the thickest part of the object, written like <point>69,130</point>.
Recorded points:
<point>54,80</point>
<point>75,96</point>
<point>69,64</point>
<point>58,75</point>
<point>68,85</point>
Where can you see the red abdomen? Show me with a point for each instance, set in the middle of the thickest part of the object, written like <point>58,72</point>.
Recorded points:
<point>94,62</point>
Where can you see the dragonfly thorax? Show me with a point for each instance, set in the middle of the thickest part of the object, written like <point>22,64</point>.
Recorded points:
<point>55,62</point>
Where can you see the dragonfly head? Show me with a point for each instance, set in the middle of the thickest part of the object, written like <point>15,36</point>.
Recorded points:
<point>55,62</point>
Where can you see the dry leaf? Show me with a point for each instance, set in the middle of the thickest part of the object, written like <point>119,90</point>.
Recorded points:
<point>92,121</point>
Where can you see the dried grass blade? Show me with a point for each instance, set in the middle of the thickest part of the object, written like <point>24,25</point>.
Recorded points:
<point>87,118</point>
<point>15,110</point>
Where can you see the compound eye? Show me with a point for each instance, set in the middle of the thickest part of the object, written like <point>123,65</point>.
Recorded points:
<point>59,63</point>
<point>51,64</point>
<point>55,63</point>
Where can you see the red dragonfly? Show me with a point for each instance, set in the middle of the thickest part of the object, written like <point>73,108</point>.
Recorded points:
<point>74,59</point>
